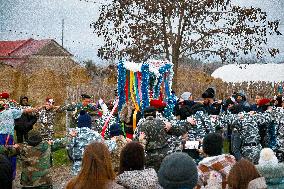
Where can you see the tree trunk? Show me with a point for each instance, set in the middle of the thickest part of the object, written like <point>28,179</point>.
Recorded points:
<point>175,59</point>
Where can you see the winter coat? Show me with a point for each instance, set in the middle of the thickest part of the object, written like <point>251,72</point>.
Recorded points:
<point>25,123</point>
<point>274,175</point>
<point>258,183</point>
<point>139,179</point>
<point>220,166</point>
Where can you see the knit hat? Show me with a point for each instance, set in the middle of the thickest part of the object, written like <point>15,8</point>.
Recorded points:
<point>115,130</point>
<point>34,138</point>
<point>209,93</point>
<point>267,157</point>
<point>84,119</point>
<point>213,144</point>
<point>178,170</point>
<point>186,95</point>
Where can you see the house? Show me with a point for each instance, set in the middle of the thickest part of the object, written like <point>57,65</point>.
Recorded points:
<point>38,68</point>
<point>30,55</point>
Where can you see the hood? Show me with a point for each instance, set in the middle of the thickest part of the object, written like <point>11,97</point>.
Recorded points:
<point>143,179</point>
<point>271,171</point>
<point>258,183</point>
<point>226,161</point>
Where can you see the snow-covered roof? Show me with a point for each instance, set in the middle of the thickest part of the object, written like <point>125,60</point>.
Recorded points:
<point>250,72</point>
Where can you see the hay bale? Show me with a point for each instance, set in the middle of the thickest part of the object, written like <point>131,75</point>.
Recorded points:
<point>9,80</point>
<point>44,83</point>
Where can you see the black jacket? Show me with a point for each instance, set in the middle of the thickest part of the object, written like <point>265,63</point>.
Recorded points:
<point>25,123</point>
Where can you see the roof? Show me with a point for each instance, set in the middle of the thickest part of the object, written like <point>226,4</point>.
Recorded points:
<point>250,72</point>
<point>31,47</point>
<point>23,48</point>
<point>14,53</point>
<point>6,47</point>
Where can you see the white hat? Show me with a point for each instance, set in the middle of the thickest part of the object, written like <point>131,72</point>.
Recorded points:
<point>186,95</point>
<point>267,156</point>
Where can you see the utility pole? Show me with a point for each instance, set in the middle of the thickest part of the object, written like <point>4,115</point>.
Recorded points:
<point>62,33</point>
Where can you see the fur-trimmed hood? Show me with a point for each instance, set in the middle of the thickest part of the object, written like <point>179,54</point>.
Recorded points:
<point>274,174</point>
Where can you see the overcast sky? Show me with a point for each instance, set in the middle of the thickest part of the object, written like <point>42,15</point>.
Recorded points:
<point>41,19</point>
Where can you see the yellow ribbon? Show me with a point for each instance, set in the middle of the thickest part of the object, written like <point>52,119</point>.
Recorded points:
<point>132,88</point>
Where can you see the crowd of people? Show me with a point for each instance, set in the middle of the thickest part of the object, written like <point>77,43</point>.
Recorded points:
<point>216,144</point>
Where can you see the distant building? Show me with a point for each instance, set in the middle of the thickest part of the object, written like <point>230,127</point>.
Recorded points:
<point>39,68</point>
<point>250,72</point>
<point>31,55</point>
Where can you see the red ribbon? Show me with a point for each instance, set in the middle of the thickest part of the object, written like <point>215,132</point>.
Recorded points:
<point>107,121</point>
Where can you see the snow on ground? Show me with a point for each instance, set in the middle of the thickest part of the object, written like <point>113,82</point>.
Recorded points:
<point>251,72</point>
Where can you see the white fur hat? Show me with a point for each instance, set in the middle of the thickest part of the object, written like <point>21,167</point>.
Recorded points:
<point>267,156</point>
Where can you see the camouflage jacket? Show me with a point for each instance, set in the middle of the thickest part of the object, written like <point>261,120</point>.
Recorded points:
<point>155,135</point>
<point>77,145</point>
<point>35,161</point>
<point>278,119</point>
<point>204,125</point>
<point>246,129</point>
<point>46,119</point>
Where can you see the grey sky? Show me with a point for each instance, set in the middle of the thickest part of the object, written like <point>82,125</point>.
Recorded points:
<point>41,19</point>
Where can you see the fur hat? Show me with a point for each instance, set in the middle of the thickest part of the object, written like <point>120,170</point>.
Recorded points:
<point>213,144</point>
<point>267,157</point>
<point>209,93</point>
<point>34,138</point>
<point>186,95</point>
<point>115,130</point>
<point>178,170</point>
<point>84,119</point>
<point>4,95</point>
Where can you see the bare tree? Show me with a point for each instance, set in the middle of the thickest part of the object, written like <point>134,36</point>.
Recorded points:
<point>142,29</point>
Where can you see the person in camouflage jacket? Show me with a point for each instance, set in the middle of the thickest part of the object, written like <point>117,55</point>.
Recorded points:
<point>157,136</point>
<point>46,117</point>
<point>85,136</point>
<point>86,104</point>
<point>277,134</point>
<point>35,159</point>
<point>246,137</point>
